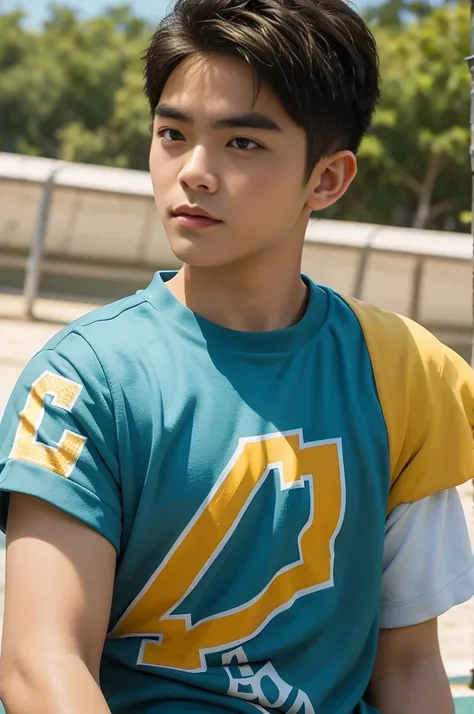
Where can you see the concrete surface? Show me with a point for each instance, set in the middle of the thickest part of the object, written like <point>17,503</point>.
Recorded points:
<point>19,340</point>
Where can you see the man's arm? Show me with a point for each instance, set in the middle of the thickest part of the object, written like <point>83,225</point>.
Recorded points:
<point>409,676</point>
<point>59,582</point>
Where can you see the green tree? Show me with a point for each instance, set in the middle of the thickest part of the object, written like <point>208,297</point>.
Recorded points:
<point>396,13</point>
<point>74,91</point>
<point>414,163</point>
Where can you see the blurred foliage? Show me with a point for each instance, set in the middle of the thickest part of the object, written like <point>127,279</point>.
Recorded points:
<point>414,167</point>
<point>74,91</point>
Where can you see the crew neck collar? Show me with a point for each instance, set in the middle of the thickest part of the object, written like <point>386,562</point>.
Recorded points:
<point>204,332</point>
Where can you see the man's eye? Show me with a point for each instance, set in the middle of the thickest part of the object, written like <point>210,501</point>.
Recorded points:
<point>171,135</point>
<point>244,144</point>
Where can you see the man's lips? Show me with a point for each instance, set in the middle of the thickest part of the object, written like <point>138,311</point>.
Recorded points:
<point>187,221</point>
<point>186,210</point>
<point>194,217</point>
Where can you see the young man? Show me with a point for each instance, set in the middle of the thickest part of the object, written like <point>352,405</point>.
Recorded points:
<point>235,491</point>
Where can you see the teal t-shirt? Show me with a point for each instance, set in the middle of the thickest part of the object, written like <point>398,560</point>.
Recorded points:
<point>243,479</point>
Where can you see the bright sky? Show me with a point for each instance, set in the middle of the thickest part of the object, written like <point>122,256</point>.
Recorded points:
<point>37,9</point>
<point>152,10</point>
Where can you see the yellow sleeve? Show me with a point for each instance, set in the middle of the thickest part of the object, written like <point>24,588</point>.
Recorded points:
<point>426,392</point>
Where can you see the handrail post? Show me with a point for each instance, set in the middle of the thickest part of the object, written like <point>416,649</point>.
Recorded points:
<point>33,267</point>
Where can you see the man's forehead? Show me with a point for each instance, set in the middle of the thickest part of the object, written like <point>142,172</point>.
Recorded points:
<point>219,85</point>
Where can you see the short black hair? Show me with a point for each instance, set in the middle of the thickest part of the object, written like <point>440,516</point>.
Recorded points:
<point>318,56</point>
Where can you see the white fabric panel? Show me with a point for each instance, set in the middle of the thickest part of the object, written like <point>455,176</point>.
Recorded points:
<point>428,560</point>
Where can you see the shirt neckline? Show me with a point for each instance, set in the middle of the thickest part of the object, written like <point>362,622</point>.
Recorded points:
<point>204,332</point>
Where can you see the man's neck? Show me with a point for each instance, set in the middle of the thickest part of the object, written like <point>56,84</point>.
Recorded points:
<point>252,299</point>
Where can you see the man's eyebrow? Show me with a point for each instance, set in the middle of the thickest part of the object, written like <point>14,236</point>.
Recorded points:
<point>248,121</point>
<point>166,111</point>
<point>251,120</point>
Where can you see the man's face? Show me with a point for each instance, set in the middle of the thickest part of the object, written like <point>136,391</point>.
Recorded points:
<point>217,149</point>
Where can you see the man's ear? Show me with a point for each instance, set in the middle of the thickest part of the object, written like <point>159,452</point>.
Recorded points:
<point>330,180</point>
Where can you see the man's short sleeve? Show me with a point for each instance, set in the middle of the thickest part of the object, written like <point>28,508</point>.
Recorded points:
<point>426,392</point>
<point>438,452</point>
<point>58,438</point>
<point>428,561</point>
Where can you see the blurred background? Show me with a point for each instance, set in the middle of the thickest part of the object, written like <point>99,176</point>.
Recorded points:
<point>78,226</point>
<point>76,199</point>
<point>71,89</point>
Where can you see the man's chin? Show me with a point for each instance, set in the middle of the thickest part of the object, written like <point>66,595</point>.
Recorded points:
<point>196,254</point>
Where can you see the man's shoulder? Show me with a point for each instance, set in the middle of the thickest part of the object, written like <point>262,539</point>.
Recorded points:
<point>413,370</point>
<point>397,340</point>
<point>426,392</point>
<point>99,325</point>
<point>408,359</point>
<point>104,347</point>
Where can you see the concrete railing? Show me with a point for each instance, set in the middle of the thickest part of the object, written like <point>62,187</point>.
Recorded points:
<point>80,225</point>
